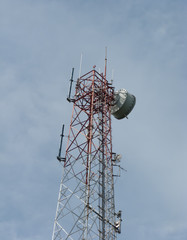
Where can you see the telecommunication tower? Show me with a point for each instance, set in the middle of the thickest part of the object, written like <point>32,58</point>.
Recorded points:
<point>86,206</point>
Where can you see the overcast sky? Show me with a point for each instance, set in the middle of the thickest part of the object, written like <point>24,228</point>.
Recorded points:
<point>40,42</point>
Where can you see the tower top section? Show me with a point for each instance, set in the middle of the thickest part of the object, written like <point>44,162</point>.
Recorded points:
<point>121,102</point>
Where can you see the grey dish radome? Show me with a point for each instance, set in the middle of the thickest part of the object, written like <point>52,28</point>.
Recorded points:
<point>123,104</point>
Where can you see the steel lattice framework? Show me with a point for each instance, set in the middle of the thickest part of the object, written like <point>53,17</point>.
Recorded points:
<point>86,208</point>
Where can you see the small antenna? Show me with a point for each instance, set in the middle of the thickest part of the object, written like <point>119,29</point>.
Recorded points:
<point>80,68</point>
<point>71,81</point>
<point>60,159</point>
<point>105,61</point>
<point>112,80</point>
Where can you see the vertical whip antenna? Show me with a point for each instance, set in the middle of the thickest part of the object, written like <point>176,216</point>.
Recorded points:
<point>71,81</point>
<point>105,61</point>
<point>60,149</point>
<point>112,80</point>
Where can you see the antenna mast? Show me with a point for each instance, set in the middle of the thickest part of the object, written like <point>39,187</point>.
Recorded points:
<point>105,60</point>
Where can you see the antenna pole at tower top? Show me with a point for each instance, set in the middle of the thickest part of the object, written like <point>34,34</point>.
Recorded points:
<point>105,61</point>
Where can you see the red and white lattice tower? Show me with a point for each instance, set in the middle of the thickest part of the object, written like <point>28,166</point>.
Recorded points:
<point>86,207</point>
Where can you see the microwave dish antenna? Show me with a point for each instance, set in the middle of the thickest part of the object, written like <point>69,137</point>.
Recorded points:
<point>122,104</point>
